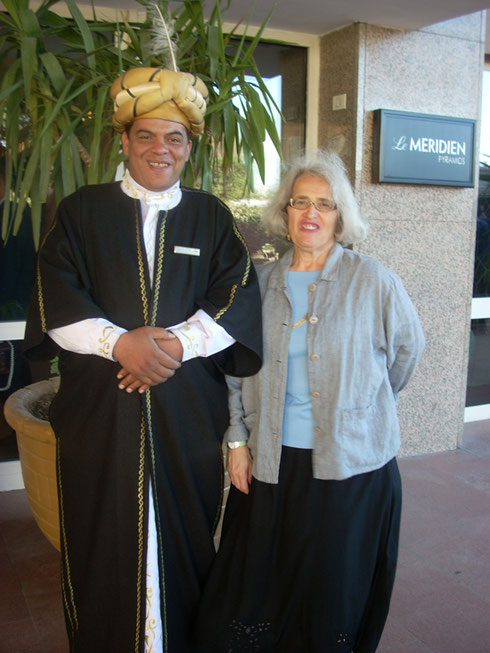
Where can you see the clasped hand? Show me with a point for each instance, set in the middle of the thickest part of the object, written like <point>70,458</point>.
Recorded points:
<point>148,356</point>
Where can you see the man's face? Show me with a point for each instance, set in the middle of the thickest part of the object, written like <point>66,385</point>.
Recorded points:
<point>157,151</point>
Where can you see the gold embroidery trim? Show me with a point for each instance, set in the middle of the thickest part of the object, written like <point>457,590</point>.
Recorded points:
<point>244,278</point>
<point>190,340</point>
<point>105,346</point>
<point>230,302</point>
<point>40,298</point>
<point>147,434</point>
<point>158,275</point>
<point>40,301</point>
<point>66,584</point>
<point>141,266</point>
<point>247,267</point>
<point>141,512</point>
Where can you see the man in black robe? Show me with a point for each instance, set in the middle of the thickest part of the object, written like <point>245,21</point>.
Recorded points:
<point>149,291</point>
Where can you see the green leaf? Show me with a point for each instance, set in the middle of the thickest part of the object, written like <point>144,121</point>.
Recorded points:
<point>13,23</point>
<point>96,127</point>
<point>57,108</point>
<point>213,49</point>
<point>13,134</point>
<point>67,172</point>
<point>6,215</point>
<point>45,159</point>
<point>29,63</point>
<point>230,129</point>
<point>112,158</point>
<point>36,214</point>
<point>30,24</point>
<point>269,100</point>
<point>255,144</point>
<point>134,41</point>
<point>252,44</point>
<point>270,126</point>
<point>257,109</point>
<point>84,31</point>
<point>54,71</point>
<point>26,184</point>
<point>78,163</point>
<point>9,90</point>
<point>49,18</point>
<point>13,7</point>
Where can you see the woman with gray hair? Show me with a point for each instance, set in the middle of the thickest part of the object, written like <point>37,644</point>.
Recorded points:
<point>310,536</point>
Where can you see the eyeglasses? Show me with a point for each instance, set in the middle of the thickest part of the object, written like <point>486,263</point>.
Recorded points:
<point>324,206</point>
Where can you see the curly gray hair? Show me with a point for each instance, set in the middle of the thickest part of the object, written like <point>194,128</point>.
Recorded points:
<point>327,165</point>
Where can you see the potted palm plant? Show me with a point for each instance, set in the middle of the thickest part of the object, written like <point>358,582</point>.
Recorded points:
<point>55,126</point>
<point>55,109</point>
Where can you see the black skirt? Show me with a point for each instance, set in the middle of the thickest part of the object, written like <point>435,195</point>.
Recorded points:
<point>305,565</point>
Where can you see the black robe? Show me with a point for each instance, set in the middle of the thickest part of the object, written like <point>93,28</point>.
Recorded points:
<point>93,264</point>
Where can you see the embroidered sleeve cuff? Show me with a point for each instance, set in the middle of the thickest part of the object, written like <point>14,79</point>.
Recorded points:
<point>107,339</point>
<point>201,336</point>
<point>93,336</point>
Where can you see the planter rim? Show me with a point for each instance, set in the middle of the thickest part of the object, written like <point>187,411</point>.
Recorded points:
<point>18,413</point>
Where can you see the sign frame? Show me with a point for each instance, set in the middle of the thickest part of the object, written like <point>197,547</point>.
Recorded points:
<point>427,170</point>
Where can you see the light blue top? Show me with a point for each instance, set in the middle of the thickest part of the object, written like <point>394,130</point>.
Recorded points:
<point>298,425</point>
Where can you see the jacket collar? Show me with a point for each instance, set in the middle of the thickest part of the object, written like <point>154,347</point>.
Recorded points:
<point>330,271</point>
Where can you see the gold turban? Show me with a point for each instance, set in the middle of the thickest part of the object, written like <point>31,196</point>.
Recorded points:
<point>159,93</point>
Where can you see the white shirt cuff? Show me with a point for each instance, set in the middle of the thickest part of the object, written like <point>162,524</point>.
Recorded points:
<point>201,336</point>
<point>92,336</point>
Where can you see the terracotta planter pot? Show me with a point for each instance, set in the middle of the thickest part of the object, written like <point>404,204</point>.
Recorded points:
<point>37,453</point>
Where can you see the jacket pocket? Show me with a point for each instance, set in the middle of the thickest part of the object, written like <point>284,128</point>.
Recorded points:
<point>362,434</point>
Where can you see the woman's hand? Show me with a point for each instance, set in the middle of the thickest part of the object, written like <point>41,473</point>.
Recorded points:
<point>240,468</point>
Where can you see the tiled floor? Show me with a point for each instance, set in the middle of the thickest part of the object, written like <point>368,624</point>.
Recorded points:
<point>441,602</point>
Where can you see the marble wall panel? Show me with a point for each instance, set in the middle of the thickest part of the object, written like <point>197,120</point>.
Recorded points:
<point>340,75</point>
<point>421,71</point>
<point>435,274</point>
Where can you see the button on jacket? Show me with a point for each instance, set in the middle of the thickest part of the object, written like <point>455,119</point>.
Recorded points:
<point>364,341</point>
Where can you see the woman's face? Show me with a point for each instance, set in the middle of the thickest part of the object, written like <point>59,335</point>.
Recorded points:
<point>311,230</point>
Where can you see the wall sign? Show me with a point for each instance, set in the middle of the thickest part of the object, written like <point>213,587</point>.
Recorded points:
<point>418,148</point>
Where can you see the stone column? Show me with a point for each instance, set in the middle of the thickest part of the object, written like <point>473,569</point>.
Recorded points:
<point>424,233</point>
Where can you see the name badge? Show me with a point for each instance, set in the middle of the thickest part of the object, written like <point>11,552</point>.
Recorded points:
<point>190,251</point>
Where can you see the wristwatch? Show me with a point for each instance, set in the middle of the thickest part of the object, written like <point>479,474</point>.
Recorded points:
<point>235,445</point>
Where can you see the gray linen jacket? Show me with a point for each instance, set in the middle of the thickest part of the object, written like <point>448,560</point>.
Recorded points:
<point>364,341</point>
